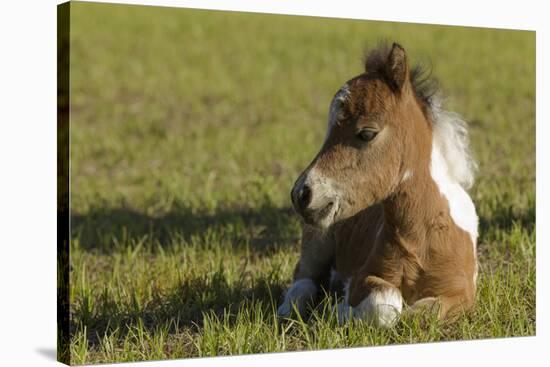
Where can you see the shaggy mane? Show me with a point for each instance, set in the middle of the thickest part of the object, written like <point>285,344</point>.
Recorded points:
<point>450,133</point>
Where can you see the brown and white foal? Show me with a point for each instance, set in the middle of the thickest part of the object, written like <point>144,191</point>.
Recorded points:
<point>384,202</point>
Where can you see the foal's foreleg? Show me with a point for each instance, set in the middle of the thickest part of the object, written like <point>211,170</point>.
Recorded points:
<point>317,254</point>
<point>371,298</point>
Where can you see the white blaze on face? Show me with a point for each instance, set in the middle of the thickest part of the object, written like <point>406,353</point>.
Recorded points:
<point>336,107</point>
<point>323,189</point>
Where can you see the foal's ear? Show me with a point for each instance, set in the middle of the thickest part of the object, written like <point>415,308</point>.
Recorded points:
<point>397,70</point>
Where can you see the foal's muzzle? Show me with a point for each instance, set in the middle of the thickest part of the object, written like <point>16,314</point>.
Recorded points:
<point>312,201</point>
<point>301,197</point>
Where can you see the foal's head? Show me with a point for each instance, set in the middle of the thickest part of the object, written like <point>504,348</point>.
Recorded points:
<point>378,137</point>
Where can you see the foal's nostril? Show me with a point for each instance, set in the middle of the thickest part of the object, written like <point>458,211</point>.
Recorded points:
<point>304,197</point>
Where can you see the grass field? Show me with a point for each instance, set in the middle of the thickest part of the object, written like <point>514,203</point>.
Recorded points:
<point>188,130</point>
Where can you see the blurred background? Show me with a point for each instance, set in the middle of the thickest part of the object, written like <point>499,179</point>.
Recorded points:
<point>188,129</point>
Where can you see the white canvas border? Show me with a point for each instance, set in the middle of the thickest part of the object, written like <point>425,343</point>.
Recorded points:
<point>28,185</point>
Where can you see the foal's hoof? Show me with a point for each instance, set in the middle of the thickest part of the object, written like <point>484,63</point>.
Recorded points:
<point>381,315</point>
<point>294,307</point>
<point>298,296</point>
<point>284,310</point>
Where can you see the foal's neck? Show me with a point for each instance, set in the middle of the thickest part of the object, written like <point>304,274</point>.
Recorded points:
<point>415,207</point>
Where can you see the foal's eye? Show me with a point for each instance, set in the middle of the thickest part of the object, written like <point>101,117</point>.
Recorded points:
<point>366,135</point>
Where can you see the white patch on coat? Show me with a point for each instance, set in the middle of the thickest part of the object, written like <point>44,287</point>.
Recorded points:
<point>461,206</point>
<point>300,293</point>
<point>383,307</point>
<point>452,169</point>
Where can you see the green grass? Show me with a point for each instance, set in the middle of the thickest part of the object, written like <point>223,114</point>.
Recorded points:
<point>188,130</point>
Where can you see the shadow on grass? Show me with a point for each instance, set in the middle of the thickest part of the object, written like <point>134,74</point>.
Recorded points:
<point>108,230</point>
<point>182,309</point>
